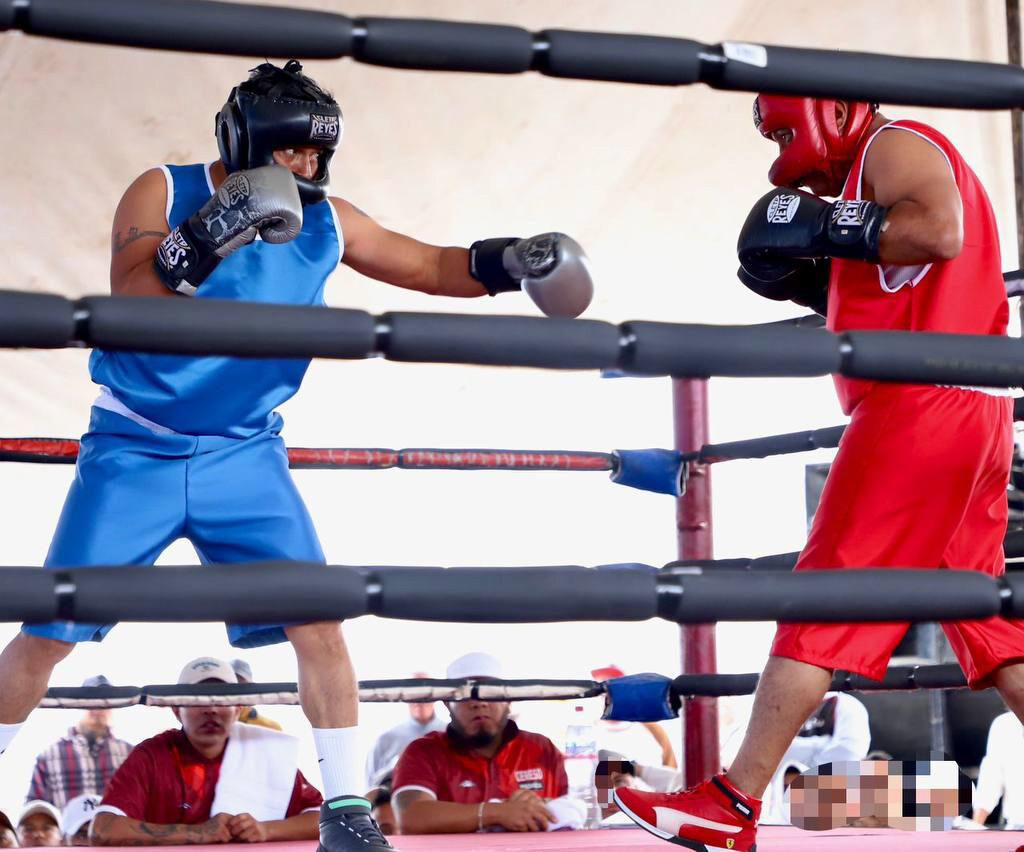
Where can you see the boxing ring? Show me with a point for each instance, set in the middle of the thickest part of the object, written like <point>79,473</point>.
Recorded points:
<point>690,591</point>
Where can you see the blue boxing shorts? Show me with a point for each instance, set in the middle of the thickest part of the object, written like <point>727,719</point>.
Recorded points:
<point>137,489</point>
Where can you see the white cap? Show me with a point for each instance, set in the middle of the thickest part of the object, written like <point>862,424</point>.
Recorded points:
<point>206,668</point>
<point>77,813</point>
<point>38,806</point>
<point>476,664</point>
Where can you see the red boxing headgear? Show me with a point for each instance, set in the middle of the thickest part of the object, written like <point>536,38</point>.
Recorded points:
<point>818,145</point>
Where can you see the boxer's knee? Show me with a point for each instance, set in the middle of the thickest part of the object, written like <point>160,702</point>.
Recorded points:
<point>319,640</point>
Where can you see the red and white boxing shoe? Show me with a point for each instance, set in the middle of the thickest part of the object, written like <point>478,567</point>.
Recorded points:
<point>712,817</point>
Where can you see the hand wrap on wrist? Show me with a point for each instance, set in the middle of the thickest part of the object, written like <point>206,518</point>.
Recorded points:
<point>183,260</point>
<point>854,229</point>
<point>486,265</point>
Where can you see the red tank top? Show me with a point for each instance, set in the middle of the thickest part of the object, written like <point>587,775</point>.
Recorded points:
<point>965,295</point>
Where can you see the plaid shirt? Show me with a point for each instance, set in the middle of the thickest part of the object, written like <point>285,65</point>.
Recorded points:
<point>76,765</point>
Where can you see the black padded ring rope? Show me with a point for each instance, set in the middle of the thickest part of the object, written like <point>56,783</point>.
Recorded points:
<point>245,329</point>
<point>256,30</point>
<point>295,591</point>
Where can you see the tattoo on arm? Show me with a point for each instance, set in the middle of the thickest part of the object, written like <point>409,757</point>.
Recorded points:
<point>152,833</point>
<point>154,829</point>
<point>120,243</point>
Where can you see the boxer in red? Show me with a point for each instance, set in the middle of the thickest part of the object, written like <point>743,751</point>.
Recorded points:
<point>920,477</point>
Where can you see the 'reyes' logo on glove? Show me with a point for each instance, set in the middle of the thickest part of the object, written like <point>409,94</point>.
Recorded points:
<point>173,248</point>
<point>782,209</point>
<point>849,214</point>
<point>226,215</point>
<point>235,189</point>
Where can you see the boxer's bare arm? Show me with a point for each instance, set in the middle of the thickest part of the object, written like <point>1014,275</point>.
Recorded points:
<point>394,258</point>
<point>912,177</point>
<point>140,223</point>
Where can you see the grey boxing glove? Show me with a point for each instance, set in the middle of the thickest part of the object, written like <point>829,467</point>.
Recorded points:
<point>551,268</point>
<point>264,200</point>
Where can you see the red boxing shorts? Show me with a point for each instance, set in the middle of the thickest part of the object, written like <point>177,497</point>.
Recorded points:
<point>919,482</point>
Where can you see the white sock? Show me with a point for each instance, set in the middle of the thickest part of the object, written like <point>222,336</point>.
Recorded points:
<point>7,735</point>
<point>338,749</point>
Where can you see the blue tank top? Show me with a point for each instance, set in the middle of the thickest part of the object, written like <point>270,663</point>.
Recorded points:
<point>209,395</point>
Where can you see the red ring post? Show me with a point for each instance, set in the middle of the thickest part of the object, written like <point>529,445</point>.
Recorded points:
<point>701,757</point>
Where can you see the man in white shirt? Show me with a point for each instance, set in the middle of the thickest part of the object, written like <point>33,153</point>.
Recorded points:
<point>383,757</point>
<point>1002,772</point>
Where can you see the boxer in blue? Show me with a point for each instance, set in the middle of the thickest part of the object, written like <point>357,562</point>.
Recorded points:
<point>190,447</point>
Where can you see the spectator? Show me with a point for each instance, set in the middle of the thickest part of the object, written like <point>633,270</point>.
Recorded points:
<point>838,731</point>
<point>39,825</point>
<point>646,743</point>
<point>211,781</point>
<point>83,762</point>
<point>616,770</point>
<point>389,746</point>
<point>383,813</point>
<point>1001,773</point>
<point>76,819</point>
<point>250,715</point>
<point>482,772</point>
<point>8,836</point>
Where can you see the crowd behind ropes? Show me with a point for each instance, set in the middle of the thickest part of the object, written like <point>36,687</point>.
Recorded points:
<point>230,774</point>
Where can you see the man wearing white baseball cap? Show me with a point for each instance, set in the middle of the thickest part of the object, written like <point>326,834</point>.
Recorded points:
<point>482,772</point>
<point>210,781</point>
<point>39,824</point>
<point>76,819</point>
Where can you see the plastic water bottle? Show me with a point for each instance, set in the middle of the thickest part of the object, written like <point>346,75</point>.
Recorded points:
<point>581,763</point>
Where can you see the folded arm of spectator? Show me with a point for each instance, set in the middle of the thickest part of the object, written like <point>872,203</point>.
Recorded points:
<point>114,829</point>
<point>110,829</point>
<point>245,828</point>
<point>419,812</point>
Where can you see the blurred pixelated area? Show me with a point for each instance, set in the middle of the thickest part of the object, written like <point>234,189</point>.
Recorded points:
<point>911,795</point>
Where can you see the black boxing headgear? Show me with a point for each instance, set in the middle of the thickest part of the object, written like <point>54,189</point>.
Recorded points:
<point>280,108</point>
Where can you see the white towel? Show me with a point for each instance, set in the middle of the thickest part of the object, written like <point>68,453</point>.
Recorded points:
<point>568,814</point>
<point>257,775</point>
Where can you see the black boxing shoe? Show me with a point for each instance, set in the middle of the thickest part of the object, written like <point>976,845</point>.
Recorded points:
<point>346,825</point>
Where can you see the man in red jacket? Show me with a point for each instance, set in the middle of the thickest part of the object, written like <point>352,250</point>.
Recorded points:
<point>164,793</point>
<point>482,772</point>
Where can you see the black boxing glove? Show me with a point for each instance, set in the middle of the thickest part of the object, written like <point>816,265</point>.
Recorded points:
<point>788,223</point>
<point>805,283</point>
<point>264,200</point>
